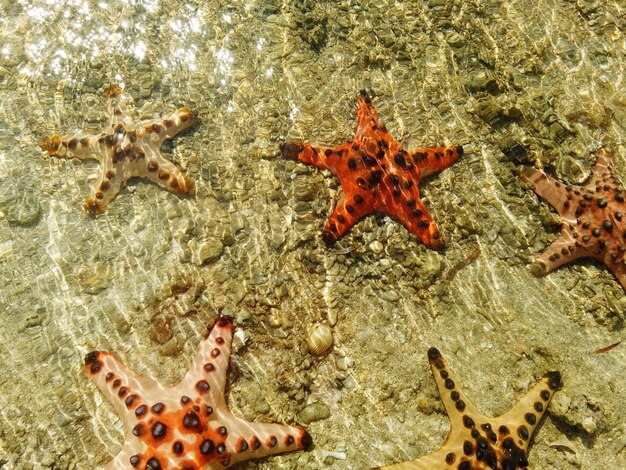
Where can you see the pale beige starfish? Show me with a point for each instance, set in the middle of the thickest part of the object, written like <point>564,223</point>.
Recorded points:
<point>479,442</point>
<point>128,150</point>
<point>188,426</point>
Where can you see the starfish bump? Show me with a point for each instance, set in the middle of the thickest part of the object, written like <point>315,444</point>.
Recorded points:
<point>187,426</point>
<point>591,219</point>
<point>377,175</point>
<point>129,149</point>
<point>479,442</point>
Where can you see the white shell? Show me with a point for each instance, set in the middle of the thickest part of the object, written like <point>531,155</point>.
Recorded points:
<point>319,339</point>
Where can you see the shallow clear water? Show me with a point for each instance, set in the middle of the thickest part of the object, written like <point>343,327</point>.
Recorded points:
<point>548,76</point>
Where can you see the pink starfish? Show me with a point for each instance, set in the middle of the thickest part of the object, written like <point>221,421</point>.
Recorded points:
<point>591,219</point>
<point>187,426</point>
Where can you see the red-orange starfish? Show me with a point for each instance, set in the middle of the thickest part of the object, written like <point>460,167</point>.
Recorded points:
<point>591,218</point>
<point>377,175</point>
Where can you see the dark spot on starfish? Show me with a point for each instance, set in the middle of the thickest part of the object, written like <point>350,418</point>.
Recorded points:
<point>468,448</point>
<point>352,164</point>
<point>619,197</point>
<point>105,185</point>
<point>585,238</point>
<point>450,458</point>
<point>602,202</point>
<point>138,430</point>
<point>163,174</point>
<point>159,430</point>
<point>185,399</point>
<point>358,199</point>
<point>449,384</point>
<point>141,410</point>
<point>582,204</point>
<point>289,440</point>
<point>134,460</point>
<point>207,447</point>
<point>466,465</point>
<point>618,216</point>
<point>530,418</point>
<point>607,225</point>
<point>221,448</point>
<point>242,447</point>
<point>157,408</point>
<point>202,386</point>
<point>122,392</point>
<point>130,400</point>
<point>215,352</point>
<point>554,380</point>
<point>168,123</point>
<point>349,209</point>
<point>395,180</point>
<point>588,197</point>
<point>460,405</point>
<point>178,447</point>
<point>468,422</point>
<point>375,178</point>
<point>399,159</point>
<point>209,367</point>
<point>272,441</point>
<point>361,183</point>
<point>522,431</point>
<point>117,383</point>
<point>423,224</point>
<point>419,156</point>
<point>395,192</point>
<point>255,443</point>
<point>369,161</point>
<point>595,232</point>
<point>341,219</point>
<point>191,420</point>
<point>208,411</point>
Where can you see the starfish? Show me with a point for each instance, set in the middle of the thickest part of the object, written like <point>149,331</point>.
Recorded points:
<point>377,175</point>
<point>187,426</point>
<point>591,219</point>
<point>479,442</point>
<point>128,150</point>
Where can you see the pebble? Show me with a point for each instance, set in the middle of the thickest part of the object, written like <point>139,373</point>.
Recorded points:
<point>208,251</point>
<point>376,246</point>
<point>314,412</point>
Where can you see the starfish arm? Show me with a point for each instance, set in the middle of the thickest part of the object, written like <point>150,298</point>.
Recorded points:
<point>432,160</point>
<point>367,116</point>
<point>116,105</point>
<point>602,171</point>
<point>161,171</point>
<point>208,372</point>
<point>158,130</point>
<point>524,417</point>
<point>125,389</point>
<point>562,251</point>
<point>324,158</point>
<point>546,187</point>
<point>256,440</point>
<point>77,145</point>
<point>456,404</point>
<point>415,217</point>
<point>345,215</point>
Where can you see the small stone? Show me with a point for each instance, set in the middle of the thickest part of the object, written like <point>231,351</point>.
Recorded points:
<point>314,412</point>
<point>376,246</point>
<point>208,251</point>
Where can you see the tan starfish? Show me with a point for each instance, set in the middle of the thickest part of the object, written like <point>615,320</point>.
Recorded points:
<point>127,151</point>
<point>188,426</point>
<point>591,219</point>
<point>476,441</point>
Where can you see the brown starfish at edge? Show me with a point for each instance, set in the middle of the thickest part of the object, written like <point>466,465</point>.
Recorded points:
<point>591,219</point>
<point>377,175</point>
<point>479,442</point>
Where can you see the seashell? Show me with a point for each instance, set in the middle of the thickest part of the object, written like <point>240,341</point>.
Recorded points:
<point>320,339</point>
